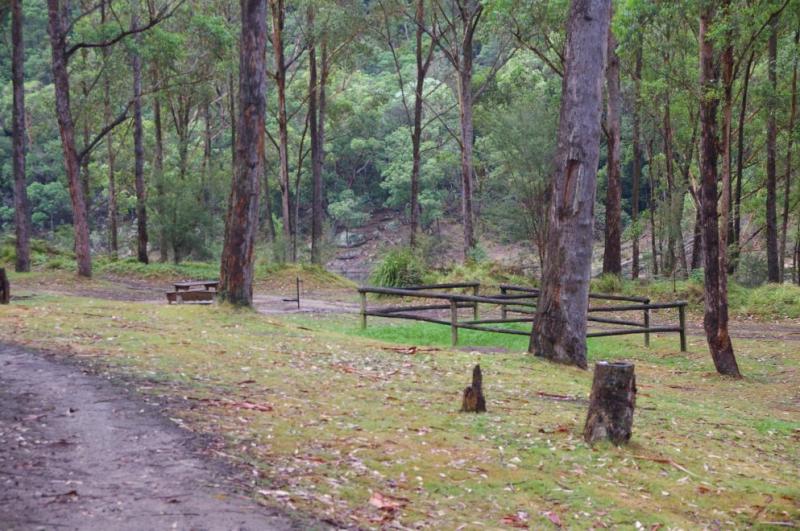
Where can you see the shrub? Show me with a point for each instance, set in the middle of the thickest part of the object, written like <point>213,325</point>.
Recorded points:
<point>607,283</point>
<point>400,267</point>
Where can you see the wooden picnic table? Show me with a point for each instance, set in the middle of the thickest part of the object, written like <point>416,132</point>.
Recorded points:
<point>205,284</point>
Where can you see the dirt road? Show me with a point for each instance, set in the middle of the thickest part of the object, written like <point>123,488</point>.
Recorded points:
<point>80,452</point>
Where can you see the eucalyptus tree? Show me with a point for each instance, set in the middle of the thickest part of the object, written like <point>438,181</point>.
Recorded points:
<point>559,330</point>
<point>236,270</point>
<point>22,211</point>
<point>715,320</point>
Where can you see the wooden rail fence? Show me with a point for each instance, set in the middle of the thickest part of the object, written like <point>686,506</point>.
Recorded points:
<point>514,299</point>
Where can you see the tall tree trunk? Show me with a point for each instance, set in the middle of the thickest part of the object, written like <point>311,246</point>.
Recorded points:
<point>236,270</point>
<point>715,321</point>
<point>651,205</point>
<point>316,167</point>
<point>673,217</point>
<point>268,204</point>
<point>612,254</point>
<point>84,162</point>
<point>278,8</point>
<point>232,112</point>
<point>466,137</point>
<point>57,26</point>
<point>22,209</point>
<point>138,145</point>
<point>637,157</point>
<point>158,173</point>
<point>773,267</point>
<point>737,200</point>
<point>559,331</point>
<point>697,242</point>
<point>416,134</point>
<point>787,180</point>
<point>726,60</point>
<point>113,230</point>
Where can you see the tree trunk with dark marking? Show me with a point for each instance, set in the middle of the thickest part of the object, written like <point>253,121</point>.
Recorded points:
<point>787,180</point>
<point>236,271</point>
<point>5,287</point>
<point>773,267</point>
<point>715,320</point>
<point>612,254</point>
<point>611,404</point>
<point>559,332</point>
<point>138,145</point>
<point>22,209</point>
<point>637,158</point>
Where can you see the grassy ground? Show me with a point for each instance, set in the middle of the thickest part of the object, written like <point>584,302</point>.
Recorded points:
<point>350,426</point>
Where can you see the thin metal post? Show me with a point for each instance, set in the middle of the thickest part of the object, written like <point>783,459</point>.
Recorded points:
<point>682,319</point>
<point>363,310</point>
<point>298,292</point>
<point>647,325</point>
<point>454,323</point>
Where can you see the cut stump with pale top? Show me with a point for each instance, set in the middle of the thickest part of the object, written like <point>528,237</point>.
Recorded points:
<point>612,403</point>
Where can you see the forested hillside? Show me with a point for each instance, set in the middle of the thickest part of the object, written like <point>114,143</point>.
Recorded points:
<point>435,112</point>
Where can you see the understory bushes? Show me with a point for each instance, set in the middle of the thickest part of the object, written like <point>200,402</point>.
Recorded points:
<point>400,267</point>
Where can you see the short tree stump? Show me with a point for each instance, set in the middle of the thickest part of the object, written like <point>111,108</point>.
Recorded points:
<point>612,403</point>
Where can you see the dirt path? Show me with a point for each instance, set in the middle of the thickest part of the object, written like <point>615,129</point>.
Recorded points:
<point>78,452</point>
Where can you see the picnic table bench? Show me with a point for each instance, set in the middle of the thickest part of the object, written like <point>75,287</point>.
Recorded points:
<point>199,291</point>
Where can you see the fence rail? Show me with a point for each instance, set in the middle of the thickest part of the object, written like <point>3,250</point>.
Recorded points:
<point>515,299</point>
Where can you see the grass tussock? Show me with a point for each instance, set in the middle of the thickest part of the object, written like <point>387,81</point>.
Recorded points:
<point>354,414</point>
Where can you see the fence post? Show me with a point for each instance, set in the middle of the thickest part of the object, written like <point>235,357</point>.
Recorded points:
<point>475,292</point>
<point>682,319</point>
<point>363,310</point>
<point>503,311</point>
<point>454,322</point>
<point>647,325</point>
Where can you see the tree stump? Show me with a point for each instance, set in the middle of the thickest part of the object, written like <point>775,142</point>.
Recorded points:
<point>5,287</point>
<point>612,403</point>
<point>474,401</point>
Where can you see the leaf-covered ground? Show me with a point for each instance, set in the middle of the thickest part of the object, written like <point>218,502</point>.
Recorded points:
<point>366,432</point>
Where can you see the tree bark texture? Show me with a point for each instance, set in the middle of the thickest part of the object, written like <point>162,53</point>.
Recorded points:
<point>737,199</point>
<point>57,25</point>
<point>611,404</point>
<point>138,145</point>
<point>113,231</point>
<point>313,121</point>
<point>637,157</point>
<point>715,320</point>
<point>236,272</point>
<point>559,332</point>
<point>612,254</point>
<point>278,11</point>
<point>469,17</point>
<point>787,180</point>
<point>773,267</point>
<point>5,287</point>
<point>158,172</point>
<point>416,134</point>
<point>22,209</point>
